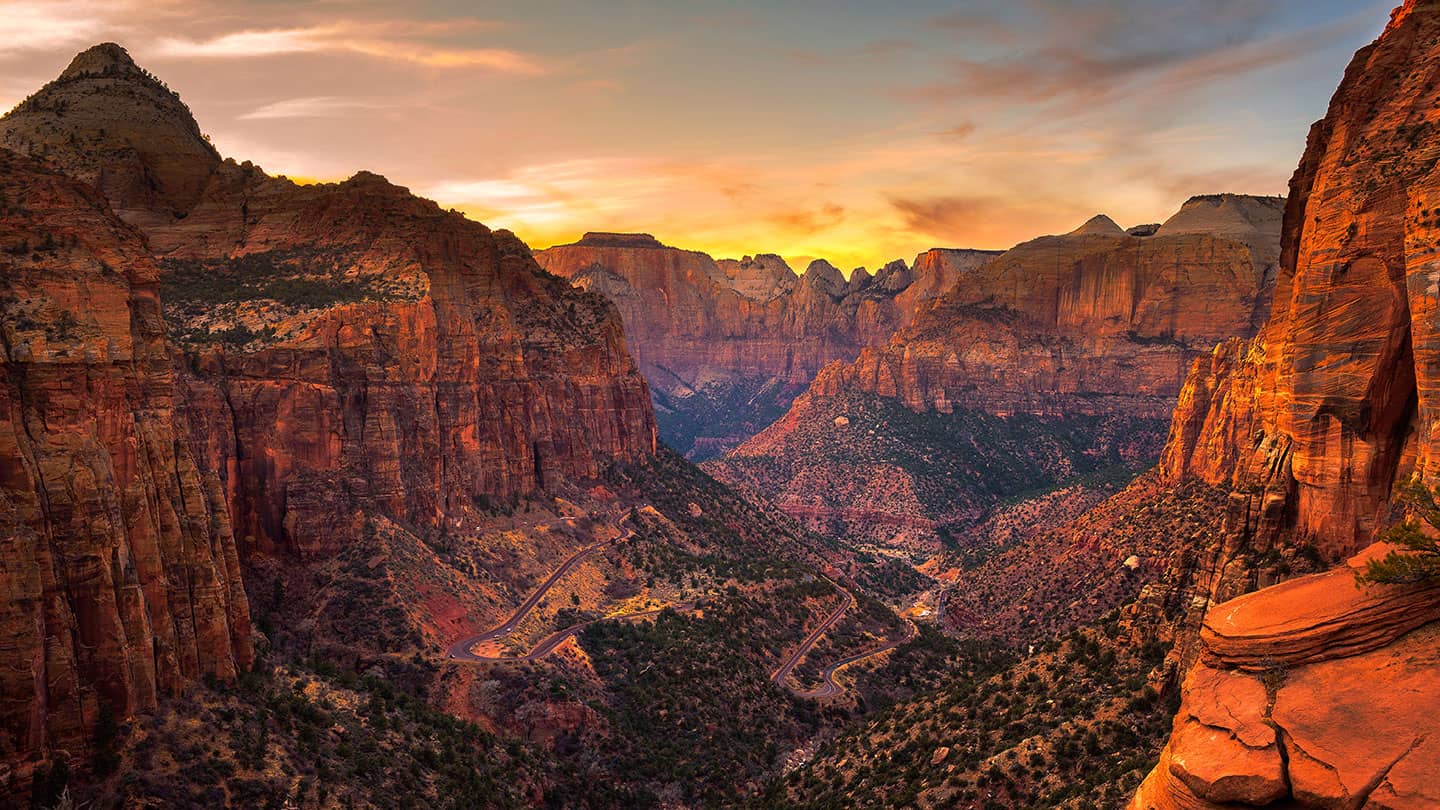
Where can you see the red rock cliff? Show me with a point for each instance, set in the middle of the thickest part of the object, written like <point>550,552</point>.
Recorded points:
<point>1316,693</point>
<point>121,580</point>
<point>727,345</point>
<point>361,348</point>
<point>1336,397</point>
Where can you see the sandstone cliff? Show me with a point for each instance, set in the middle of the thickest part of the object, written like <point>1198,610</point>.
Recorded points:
<point>1312,692</point>
<point>248,370</point>
<point>363,348</point>
<point>727,345</point>
<point>1336,392</point>
<point>121,579</point>
<point>1090,333</point>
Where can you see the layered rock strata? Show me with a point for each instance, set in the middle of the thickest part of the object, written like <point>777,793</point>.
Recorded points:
<point>727,345</point>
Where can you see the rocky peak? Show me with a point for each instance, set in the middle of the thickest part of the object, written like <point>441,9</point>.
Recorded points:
<point>763,277</point>
<point>1099,225</point>
<point>112,124</point>
<point>826,277</point>
<point>893,277</point>
<point>105,58</point>
<point>1238,216</point>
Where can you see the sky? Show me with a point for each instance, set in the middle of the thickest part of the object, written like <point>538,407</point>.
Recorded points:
<point>856,131</point>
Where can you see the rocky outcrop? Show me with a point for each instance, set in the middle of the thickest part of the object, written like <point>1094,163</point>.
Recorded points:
<point>121,579</point>
<point>1335,396</point>
<point>1308,694</point>
<point>1086,338</point>
<point>759,278</point>
<point>726,346</point>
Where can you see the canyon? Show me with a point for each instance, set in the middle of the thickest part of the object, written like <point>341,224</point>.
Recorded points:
<point>1080,343</point>
<point>231,366</point>
<point>727,345</point>
<point>319,495</point>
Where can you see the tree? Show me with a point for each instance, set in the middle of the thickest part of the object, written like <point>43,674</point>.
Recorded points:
<point>1417,556</point>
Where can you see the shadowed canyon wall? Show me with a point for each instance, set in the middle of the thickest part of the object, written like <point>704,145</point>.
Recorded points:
<point>248,367</point>
<point>726,346</point>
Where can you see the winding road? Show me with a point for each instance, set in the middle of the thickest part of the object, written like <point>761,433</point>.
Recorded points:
<point>551,642</point>
<point>460,650</point>
<point>779,676</point>
<point>829,688</point>
<point>463,650</point>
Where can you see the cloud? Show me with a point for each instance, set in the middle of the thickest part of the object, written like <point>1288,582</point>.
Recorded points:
<point>810,221</point>
<point>311,107</point>
<point>944,216</point>
<point>550,194</point>
<point>399,42</point>
<point>40,26</point>
<point>1076,58</point>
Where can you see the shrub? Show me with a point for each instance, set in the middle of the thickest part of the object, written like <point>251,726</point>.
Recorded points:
<point>1417,558</point>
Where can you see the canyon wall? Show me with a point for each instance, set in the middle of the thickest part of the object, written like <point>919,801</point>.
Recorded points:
<point>121,579</point>
<point>207,368</point>
<point>727,345</point>
<point>1062,357</point>
<point>1315,692</point>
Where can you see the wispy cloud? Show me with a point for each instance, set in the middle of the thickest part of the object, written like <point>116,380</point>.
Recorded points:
<point>399,42</point>
<point>39,26</point>
<point>312,107</point>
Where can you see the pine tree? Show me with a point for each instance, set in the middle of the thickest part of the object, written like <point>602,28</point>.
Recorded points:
<point>1417,556</point>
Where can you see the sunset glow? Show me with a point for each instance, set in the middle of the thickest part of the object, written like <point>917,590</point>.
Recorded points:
<point>854,131</point>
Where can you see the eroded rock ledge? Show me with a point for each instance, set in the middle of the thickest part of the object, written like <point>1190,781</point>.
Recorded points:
<point>1312,693</point>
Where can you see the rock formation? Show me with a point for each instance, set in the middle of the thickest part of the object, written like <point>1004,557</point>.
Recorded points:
<point>121,579</point>
<point>248,368</point>
<point>1333,400</point>
<point>1313,692</point>
<point>726,346</point>
<point>366,348</point>
<point>1096,324</point>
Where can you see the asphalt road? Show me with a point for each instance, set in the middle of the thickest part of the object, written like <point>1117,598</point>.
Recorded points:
<point>778,678</point>
<point>830,688</point>
<point>460,650</point>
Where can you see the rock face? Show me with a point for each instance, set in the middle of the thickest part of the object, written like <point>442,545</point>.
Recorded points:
<point>254,369</point>
<point>365,349</point>
<point>1335,398</point>
<point>1313,692</point>
<point>726,346</point>
<point>121,576</point>
<point>1096,324</point>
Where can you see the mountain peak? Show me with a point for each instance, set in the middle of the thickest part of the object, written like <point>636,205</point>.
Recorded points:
<point>1099,225</point>
<point>105,58</point>
<point>108,122</point>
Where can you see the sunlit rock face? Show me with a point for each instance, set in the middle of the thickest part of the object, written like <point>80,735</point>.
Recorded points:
<point>1097,325</point>
<point>726,346</point>
<point>1314,692</point>
<point>1335,398</point>
<point>363,347</point>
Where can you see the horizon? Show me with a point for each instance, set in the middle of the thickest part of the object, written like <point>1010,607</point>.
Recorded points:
<point>526,119</point>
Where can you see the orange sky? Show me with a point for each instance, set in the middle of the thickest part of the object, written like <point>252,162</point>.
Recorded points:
<point>841,129</point>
